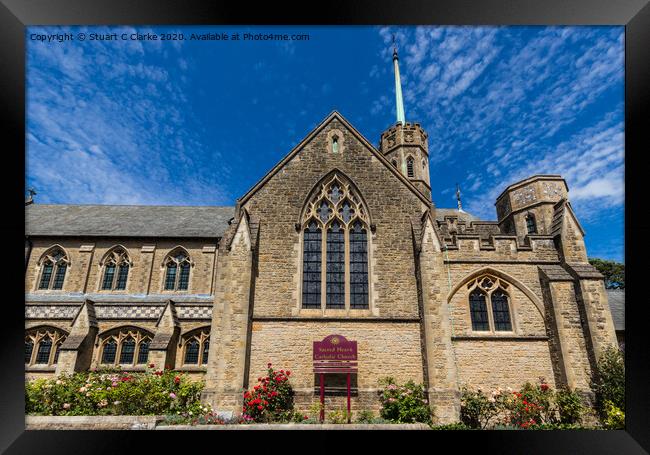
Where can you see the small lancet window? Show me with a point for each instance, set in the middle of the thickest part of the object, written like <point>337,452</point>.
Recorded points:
<point>335,144</point>
<point>409,167</point>
<point>478,311</point>
<point>335,295</point>
<point>531,226</point>
<point>500,311</point>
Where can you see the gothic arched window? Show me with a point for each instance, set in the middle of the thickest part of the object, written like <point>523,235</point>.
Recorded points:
<point>409,167</point>
<point>42,346</point>
<point>335,246</point>
<point>177,274</point>
<point>116,265</point>
<point>126,346</point>
<point>196,346</point>
<point>54,264</point>
<point>531,226</point>
<point>489,304</point>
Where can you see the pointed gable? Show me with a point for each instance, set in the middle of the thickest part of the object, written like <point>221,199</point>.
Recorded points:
<point>333,116</point>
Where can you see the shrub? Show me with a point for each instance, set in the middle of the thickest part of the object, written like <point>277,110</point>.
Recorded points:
<point>271,400</point>
<point>570,406</point>
<point>614,417</point>
<point>115,392</point>
<point>608,382</point>
<point>338,416</point>
<point>534,405</point>
<point>365,417</point>
<point>477,410</point>
<point>404,404</point>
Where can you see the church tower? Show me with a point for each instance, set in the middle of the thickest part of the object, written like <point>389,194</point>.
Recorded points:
<point>405,144</point>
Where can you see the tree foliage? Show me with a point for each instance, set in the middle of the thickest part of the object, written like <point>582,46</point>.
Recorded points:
<point>613,271</point>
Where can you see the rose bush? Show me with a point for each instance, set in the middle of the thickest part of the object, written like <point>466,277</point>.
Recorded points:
<point>533,406</point>
<point>271,400</point>
<point>115,392</point>
<point>404,404</point>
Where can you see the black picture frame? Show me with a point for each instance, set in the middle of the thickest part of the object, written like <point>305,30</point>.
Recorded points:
<point>15,15</point>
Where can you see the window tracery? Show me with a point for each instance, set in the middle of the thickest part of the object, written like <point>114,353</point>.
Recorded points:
<point>177,270</point>
<point>54,264</point>
<point>116,265</point>
<point>127,346</point>
<point>489,304</point>
<point>196,346</point>
<point>335,248</point>
<point>42,346</point>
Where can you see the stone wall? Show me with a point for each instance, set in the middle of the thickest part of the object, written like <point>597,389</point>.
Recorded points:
<point>491,363</point>
<point>146,275</point>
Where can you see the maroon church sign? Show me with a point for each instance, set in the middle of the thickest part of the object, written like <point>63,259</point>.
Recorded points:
<point>334,354</point>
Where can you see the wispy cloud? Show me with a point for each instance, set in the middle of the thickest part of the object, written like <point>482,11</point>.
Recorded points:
<point>109,122</point>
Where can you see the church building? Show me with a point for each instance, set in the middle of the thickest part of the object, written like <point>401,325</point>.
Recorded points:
<point>339,238</point>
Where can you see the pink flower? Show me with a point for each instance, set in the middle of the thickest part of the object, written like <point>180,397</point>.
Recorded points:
<point>66,405</point>
<point>172,395</point>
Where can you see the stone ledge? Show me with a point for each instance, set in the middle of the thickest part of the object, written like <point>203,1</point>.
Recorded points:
<point>91,422</point>
<point>300,426</point>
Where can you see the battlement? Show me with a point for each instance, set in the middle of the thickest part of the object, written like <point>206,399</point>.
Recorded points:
<point>409,134</point>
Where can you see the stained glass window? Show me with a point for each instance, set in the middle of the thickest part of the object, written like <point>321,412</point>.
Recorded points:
<point>110,349</point>
<point>170,279</point>
<point>56,353</point>
<point>29,347</point>
<point>206,350</point>
<point>46,275</point>
<point>346,212</point>
<point>324,212</point>
<point>335,292</point>
<point>44,349</point>
<point>109,273</point>
<point>335,193</point>
<point>192,352</point>
<point>530,224</point>
<point>358,267</point>
<point>184,279</point>
<point>311,268</point>
<point>59,276</point>
<point>128,350</point>
<point>500,311</point>
<point>143,352</point>
<point>478,311</point>
<point>122,276</point>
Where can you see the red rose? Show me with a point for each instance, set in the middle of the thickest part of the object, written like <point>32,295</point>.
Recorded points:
<point>177,379</point>
<point>269,365</point>
<point>288,372</point>
<point>260,408</point>
<point>544,387</point>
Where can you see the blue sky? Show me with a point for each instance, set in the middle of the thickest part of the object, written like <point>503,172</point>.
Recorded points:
<point>199,123</point>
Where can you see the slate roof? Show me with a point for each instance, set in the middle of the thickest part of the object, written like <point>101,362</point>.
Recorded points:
<point>126,220</point>
<point>617,306</point>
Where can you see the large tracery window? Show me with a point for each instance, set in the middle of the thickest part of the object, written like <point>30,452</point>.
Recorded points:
<point>489,304</point>
<point>42,346</point>
<point>54,264</point>
<point>127,346</point>
<point>177,275</point>
<point>116,269</point>
<point>335,248</point>
<point>195,347</point>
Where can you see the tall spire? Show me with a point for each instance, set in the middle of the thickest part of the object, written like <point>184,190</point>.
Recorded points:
<point>460,205</point>
<point>398,86</point>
